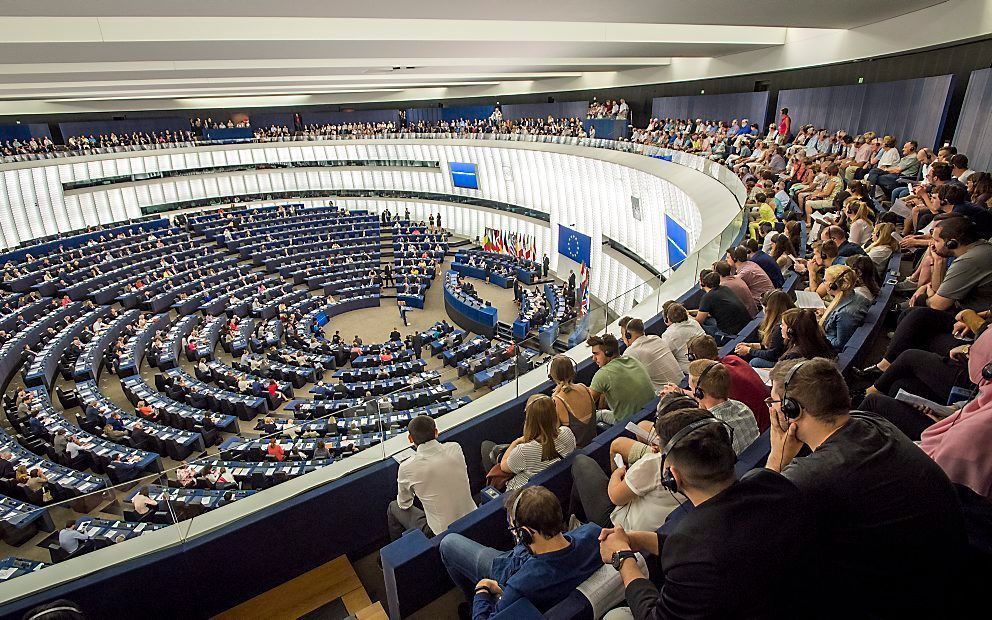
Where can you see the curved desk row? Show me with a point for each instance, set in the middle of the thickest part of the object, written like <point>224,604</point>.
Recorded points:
<point>467,312</point>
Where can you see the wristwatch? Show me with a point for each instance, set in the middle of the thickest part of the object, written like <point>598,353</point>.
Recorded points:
<point>620,556</point>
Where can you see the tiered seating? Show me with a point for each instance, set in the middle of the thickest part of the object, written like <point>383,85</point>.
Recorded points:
<point>173,440</point>
<point>35,334</point>
<point>49,358</point>
<point>205,396</point>
<point>97,453</point>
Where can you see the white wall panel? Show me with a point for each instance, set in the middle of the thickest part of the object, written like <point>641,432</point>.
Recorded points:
<point>588,193</point>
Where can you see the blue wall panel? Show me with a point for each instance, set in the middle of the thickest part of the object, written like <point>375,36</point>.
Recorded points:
<point>973,135</point>
<point>24,131</point>
<point>430,115</point>
<point>563,109</point>
<point>358,116</point>
<point>726,107</point>
<point>267,119</point>
<point>134,125</point>
<point>907,109</point>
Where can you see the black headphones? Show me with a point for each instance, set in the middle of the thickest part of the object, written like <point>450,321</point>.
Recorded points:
<point>626,334</point>
<point>952,244</point>
<point>667,479</point>
<point>521,536</point>
<point>987,372</point>
<point>698,392</point>
<point>790,406</point>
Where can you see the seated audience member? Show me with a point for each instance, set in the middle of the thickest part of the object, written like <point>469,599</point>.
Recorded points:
<point>885,513</point>
<point>765,353</point>
<point>143,505</point>
<point>574,402</point>
<point>631,449</point>
<point>823,199</point>
<point>803,336</point>
<point>959,443</point>
<point>320,451</point>
<point>679,330</point>
<point>701,557</point>
<point>860,222</point>
<point>709,384</point>
<point>621,383</point>
<point>967,283</point>
<point>542,443</point>
<point>735,284</point>
<point>838,235</point>
<point>866,283</point>
<point>72,540</point>
<point>882,246</point>
<point>746,385</point>
<point>437,476</point>
<point>720,312</point>
<point>753,274</point>
<point>847,310</point>
<point>764,260</point>
<point>186,474</point>
<point>651,351</point>
<point>275,450</point>
<point>631,497</point>
<point>544,566</point>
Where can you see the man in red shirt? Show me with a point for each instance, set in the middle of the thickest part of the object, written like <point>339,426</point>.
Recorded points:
<point>746,385</point>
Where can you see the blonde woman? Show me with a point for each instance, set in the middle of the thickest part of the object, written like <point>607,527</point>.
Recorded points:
<point>883,245</point>
<point>847,309</point>
<point>861,225</point>
<point>573,401</point>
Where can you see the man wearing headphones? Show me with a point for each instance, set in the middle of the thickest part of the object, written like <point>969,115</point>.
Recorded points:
<point>709,384</point>
<point>621,381</point>
<point>967,283</point>
<point>544,566</point>
<point>885,514</point>
<point>741,553</point>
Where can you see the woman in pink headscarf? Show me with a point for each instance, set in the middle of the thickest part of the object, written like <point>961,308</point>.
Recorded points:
<point>960,442</point>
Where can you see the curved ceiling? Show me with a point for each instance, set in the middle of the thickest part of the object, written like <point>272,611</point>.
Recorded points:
<point>61,56</point>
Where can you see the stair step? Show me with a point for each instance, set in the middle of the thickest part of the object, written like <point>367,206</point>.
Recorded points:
<point>372,612</point>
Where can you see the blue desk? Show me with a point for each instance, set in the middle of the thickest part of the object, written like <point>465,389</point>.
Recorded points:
<point>11,567</point>
<point>467,312</point>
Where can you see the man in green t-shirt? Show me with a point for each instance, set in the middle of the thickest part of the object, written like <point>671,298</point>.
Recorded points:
<point>621,382</point>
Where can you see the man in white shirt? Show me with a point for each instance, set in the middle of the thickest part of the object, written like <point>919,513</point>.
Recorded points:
<point>71,539</point>
<point>681,329</point>
<point>652,352</point>
<point>438,476</point>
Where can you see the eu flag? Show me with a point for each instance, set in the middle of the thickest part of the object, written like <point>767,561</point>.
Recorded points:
<point>574,245</point>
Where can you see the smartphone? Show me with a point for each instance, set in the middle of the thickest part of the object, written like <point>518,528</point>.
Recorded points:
<point>618,460</point>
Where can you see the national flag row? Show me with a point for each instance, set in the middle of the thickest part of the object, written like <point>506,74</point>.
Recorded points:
<point>515,244</point>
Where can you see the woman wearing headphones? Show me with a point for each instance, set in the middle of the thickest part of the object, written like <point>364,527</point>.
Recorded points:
<point>573,401</point>
<point>764,354</point>
<point>882,246</point>
<point>860,223</point>
<point>847,310</point>
<point>803,336</point>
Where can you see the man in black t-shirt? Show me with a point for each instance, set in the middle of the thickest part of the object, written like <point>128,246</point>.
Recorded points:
<point>891,538</point>
<point>742,552</point>
<point>720,309</point>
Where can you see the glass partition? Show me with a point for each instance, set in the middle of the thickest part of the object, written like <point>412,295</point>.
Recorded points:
<point>362,433</point>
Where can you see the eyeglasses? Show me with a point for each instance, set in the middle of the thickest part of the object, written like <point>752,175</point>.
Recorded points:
<point>771,401</point>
